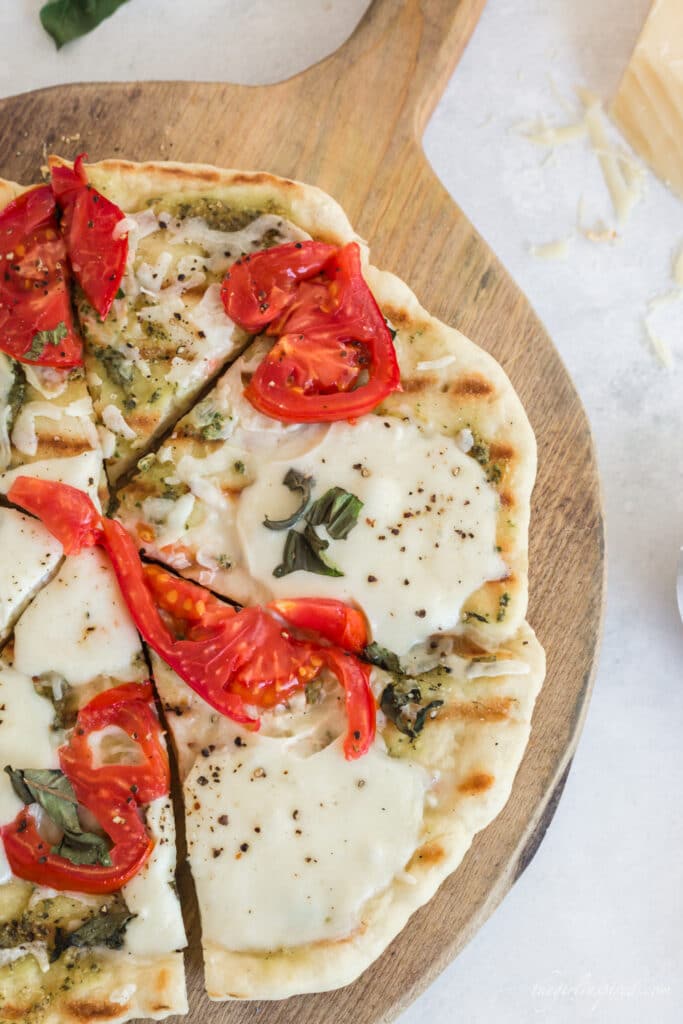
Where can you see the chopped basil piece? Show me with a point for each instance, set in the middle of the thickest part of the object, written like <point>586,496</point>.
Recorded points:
<point>50,788</point>
<point>43,338</point>
<point>119,368</point>
<point>65,20</point>
<point>17,392</point>
<point>303,552</point>
<point>120,294</point>
<point>475,615</point>
<point>294,481</point>
<point>503,602</point>
<point>106,927</point>
<point>421,716</point>
<point>337,511</point>
<point>399,707</point>
<point>381,657</point>
<point>213,427</point>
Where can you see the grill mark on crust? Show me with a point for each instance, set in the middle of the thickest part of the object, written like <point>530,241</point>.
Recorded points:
<point>52,445</point>
<point>414,385</point>
<point>477,782</point>
<point>14,1012</point>
<point>473,385</point>
<point>92,1009</point>
<point>430,853</point>
<point>500,450</point>
<point>494,709</point>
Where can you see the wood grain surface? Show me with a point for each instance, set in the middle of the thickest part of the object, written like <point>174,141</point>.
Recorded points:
<point>352,125</point>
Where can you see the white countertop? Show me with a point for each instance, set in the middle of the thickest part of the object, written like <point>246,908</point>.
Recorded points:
<point>594,928</point>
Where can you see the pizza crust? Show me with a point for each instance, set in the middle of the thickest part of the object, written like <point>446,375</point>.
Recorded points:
<point>107,986</point>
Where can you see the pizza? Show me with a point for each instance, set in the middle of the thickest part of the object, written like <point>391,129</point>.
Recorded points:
<point>305,519</point>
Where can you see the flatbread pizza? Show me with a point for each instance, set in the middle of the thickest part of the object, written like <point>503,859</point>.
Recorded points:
<point>317,521</point>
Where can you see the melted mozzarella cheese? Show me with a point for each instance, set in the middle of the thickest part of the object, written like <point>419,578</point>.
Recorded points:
<point>287,850</point>
<point>26,739</point>
<point>150,895</point>
<point>48,381</point>
<point>81,471</point>
<point>78,625</point>
<point>28,554</point>
<point>171,515</point>
<point>114,421</point>
<point>424,541</point>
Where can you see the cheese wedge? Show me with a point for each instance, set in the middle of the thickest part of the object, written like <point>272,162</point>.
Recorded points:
<point>648,106</point>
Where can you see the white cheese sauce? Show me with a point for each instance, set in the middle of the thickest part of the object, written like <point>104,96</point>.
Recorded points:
<point>424,541</point>
<point>287,850</point>
<point>158,925</point>
<point>28,554</point>
<point>78,626</point>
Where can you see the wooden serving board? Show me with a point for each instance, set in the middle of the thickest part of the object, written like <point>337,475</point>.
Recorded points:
<point>352,125</point>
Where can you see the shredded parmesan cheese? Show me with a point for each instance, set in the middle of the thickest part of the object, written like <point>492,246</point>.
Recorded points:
<point>113,419</point>
<point>625,188</point>
<point>558,250</point>
<point>435,364</point>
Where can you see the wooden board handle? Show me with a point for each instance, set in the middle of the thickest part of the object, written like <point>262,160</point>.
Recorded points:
<point>401,56</point>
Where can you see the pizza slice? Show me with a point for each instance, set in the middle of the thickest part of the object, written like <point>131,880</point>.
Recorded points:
<point>153,344</point>
<point>46,415</point>
<point>90,924</point>
<point>307,864</point>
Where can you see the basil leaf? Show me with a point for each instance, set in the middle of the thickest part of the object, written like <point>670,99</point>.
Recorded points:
<point>42,338</point>
<point>50,788</point>
<point>303,552</point>
<point>119,369</point>
<point>294,481</point>
<point>337,511</point>
<point>381,657</point>
<point>106,928</point>
<point>65,20</point>
<point>421,716</point>
<point>86,848</point>
<point>475,615</point>
<point>396,706</point>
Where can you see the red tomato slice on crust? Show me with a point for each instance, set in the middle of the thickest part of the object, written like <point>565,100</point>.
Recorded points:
<point>334,358</point>
<point>36,322</point>
<point>97,253</point>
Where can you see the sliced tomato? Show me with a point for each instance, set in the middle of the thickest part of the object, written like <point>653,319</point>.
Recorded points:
<point>329,337</point>
<point>258,660</point>
<point>30,858</point>
<point>230,658</point>
<point>335,621</point>
<point>184,601</point>
<point>36,322</point>
<point>97,253</point>
<point>68,513</point>
<point>354,677</point>
<point>127,707</point>
<point>334,358</point>
<point>258,287</point>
